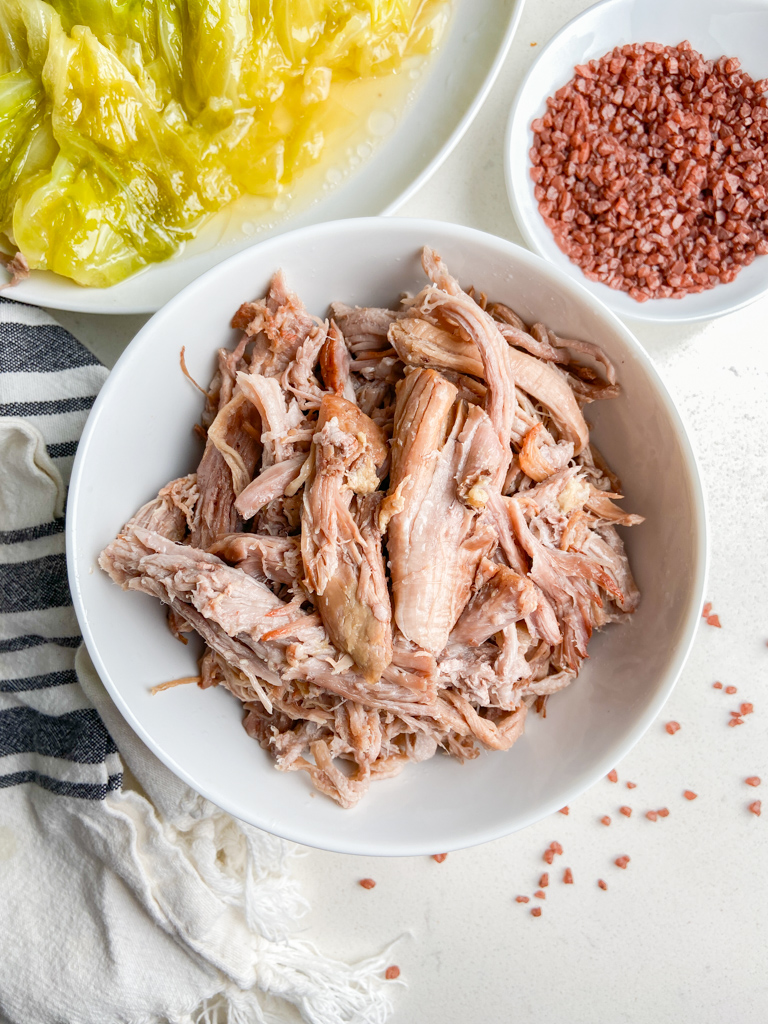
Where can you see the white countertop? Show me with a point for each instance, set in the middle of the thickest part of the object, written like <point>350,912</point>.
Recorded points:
<point>680,935</point>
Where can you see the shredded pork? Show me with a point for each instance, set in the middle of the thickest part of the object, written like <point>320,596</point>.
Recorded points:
<point>16,266</point>
<point>399,537</point>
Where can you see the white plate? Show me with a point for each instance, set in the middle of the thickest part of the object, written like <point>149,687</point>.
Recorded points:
<point>457,80</point>
<point>738,28</point>
<point>139,436</point>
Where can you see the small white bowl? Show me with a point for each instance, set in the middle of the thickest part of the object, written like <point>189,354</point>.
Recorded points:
<point>738,28</point>
<point>139,436</point>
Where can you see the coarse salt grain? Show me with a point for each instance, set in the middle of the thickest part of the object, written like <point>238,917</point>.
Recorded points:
<point>621,862</point>
<point>714,620</point>
<point>556,847</point>
<point>367,883</point>
<point>731,689</point>
<point>522,899</point>
<point>568,876</point>
<point>544,881</point>
<point>392,972</point>
<point>605,819</point>
<point>672,727</point>
<point>535,911</point>
<point>564,810</point>
<point>626,811</point>
<point>756,807</point>
<point>753,780</point>
<point>540,894</point>
<point>736,720</point>
<point>613,775</point>
<point>689,794</point>
<point>746,709</point>
<point>652,815</point>
<point>602,884</point>
<point>663,812</point>
<point>717,686</point>
<point>631,785</point>
<point>439,857</point>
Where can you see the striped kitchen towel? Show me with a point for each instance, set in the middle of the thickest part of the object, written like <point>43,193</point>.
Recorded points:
<point>49,732</point>
<point>128,902</point>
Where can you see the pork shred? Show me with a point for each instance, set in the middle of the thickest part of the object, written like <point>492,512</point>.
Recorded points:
<point>398,537</point>
<point>16,266</point>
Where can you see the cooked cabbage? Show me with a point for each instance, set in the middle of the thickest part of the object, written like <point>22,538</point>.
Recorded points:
<point>124,124</point>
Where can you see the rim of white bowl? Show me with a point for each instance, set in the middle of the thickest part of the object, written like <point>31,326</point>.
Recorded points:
<point>293,831</point>
<point>471,113</point>
<point>524,221</point>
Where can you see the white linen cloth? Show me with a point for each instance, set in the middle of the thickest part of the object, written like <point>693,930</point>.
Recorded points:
<point>120,902</point>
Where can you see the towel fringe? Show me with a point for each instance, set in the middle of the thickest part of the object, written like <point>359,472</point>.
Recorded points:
<point>247,869</point>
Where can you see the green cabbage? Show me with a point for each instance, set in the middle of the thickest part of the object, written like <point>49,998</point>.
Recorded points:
<point>124,124</point>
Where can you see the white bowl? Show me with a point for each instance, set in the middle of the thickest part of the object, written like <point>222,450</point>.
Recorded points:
<point>139,436</point>
<point>455,83</point>
<point>738,28</point>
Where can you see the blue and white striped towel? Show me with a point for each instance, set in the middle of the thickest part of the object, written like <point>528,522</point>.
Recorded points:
<point>49,732</point>
<point>127,904</point>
